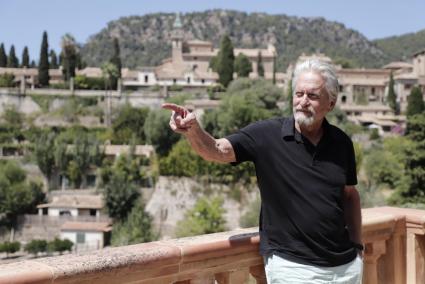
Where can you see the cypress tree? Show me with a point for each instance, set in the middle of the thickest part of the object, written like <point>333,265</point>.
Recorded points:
<point>415,102</point>
<point>3,56</point>
<point>225,62</point>
<point>33,65</point>
<point>69,56</point>
<point>12,60</point>
<point>242,65</point>
<point>274,70</point>
<point>116,59</point>
<point>392,97</point>
<point>260,67</point>
<point>289,97</point>
<point>25,58</point>
<point>43,65</point>
<point>53,60</point>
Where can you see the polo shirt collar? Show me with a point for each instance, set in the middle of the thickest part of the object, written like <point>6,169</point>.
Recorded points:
<point>288,129</point>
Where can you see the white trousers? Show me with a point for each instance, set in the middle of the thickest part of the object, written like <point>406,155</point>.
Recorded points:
<point>282,271</point>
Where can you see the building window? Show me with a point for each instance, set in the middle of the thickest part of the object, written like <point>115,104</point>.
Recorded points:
<point>93,212</point>
<point>407,86</point>
<point>81,238</point>
<point>146,78</point>
<point>188,80</point>
<point>64,213</point>
<point>195,58</point>
<point>174,81</point>
<point>373,91</point>
<point>203,81</point>
<point>341,88</point>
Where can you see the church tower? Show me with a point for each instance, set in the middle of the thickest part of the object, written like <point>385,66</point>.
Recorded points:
<point>177,40</point>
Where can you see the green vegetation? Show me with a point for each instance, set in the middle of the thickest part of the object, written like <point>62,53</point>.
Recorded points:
<point>3,56</point>
<point>225,61</point>
<point>36,246</point>
<point>25,58</point>
<point>415,102</point>
<point>260,66</point>
<point>392,96</point>
<point>12,60</point>
<point>53,60</point>
<point>10,247</point>
<point>17,194</point>
<point>69,56</point>
<point>137,228</point>
<point>43,65</point>
<point>242,65</point>
<point>7,80</point>
<point>129,124</point>
<point>59,245</point>
<point>205,217</point>
<point>116,61</point>
<point>251,216</point>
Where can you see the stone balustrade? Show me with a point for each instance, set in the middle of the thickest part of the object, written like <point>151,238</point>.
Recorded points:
<point>394,239</point>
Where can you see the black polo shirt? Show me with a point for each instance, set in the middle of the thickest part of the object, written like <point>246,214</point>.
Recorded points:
<point>301,187</point>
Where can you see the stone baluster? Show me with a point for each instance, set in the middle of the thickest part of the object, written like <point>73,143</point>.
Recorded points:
<point>372,253</point>
<point>232,277</point>
<point>415,256</point>
<point>258,273</point>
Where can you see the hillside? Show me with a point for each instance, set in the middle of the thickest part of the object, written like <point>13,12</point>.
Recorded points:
<point>401,47</point>
<point>145,40</point>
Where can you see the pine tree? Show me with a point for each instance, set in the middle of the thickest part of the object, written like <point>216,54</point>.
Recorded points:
<point>53,60</point>
<point>392,97</point>
<point>25,58</point>
<point>274,70</point>
<point>3,56</point>
<point>225,61</point>
<point>260,67</point>
<point>415,102</point>
<point>12,60</point>
<point>242,65</point>
<point>33,65</point>
<point>43,65</point>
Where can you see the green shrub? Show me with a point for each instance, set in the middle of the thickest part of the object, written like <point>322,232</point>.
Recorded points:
<point>36,246</point>
<point>7,80</point>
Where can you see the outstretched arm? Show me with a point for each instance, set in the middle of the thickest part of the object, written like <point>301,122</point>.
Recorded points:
<point>184,122</point>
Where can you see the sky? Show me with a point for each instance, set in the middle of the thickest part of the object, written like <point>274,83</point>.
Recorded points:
<point>22,22</point>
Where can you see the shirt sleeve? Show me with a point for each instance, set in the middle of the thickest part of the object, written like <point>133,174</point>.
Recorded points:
<point>351,174</point>
<point>244,143</point>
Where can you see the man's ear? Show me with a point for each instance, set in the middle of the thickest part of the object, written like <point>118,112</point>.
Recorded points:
<point>331,105</point>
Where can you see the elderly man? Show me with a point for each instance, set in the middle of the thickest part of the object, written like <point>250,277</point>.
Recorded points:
<point>310,221</point>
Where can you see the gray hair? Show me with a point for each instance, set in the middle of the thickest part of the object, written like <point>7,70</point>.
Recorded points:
<point>323,69</point>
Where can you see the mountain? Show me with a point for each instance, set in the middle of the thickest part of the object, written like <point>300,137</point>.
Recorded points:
<point>145,40</point>
<point>402,47</point>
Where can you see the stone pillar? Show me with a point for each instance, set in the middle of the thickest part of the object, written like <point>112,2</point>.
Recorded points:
<point>119,86</point>
<point>415,258</point>
<point>71,85</point>
<point>23,85</point>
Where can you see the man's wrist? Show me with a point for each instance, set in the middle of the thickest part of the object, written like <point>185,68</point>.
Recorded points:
<point>358,246</point>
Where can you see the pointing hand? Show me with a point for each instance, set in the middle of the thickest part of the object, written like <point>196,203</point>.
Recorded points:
<point>181,120</point>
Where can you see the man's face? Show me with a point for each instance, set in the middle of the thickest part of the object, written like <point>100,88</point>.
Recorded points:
<point>311,102</point>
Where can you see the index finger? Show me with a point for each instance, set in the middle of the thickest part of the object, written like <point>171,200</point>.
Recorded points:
<point>178,109</point>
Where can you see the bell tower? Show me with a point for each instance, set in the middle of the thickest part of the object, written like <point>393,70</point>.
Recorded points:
<point>177,40</point>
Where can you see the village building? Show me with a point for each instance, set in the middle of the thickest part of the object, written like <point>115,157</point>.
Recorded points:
<point>87,235</point>
<point>75,205</point>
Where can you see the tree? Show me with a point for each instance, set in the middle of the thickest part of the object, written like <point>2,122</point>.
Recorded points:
<point>43,65</point>
<point>12,60</point>
<point>242,65</point>
<point>120,195</point>
<point>411,187</point>
<point>137,228</point>
<point>415,102</point>
<point>25,58</point>
<point>260,66</point>
<point>289,97</point>
<point>3,56</point>
<point>116,61</point>
<point>274,70</point>
<point>7,80</point>
<point>33,65</point>
<point>158,132</point>
<point>36,246</point>
<point>225,61</point>
<point>251,216</point>
<point>53,60</point>
<point>391,96</point>
<point>129,124</point>
<point>109,73</point>
<point>205,217</point>
<point>44,154</point>
<point>17,194</point>
<point>69,56</point>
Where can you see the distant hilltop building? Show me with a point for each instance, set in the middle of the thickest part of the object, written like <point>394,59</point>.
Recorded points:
<point>189,63</point>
